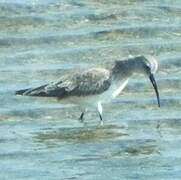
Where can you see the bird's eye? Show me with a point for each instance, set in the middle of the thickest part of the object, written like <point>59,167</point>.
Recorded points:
<point>148,66</point>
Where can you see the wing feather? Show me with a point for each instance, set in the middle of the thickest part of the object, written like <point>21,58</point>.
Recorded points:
<point>93,81</point>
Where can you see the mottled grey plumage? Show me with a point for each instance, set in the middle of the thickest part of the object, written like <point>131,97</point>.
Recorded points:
<point>101,83</point>
<point>88,82</point>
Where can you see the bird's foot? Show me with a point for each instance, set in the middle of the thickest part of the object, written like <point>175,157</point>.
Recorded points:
<point>101,123</point>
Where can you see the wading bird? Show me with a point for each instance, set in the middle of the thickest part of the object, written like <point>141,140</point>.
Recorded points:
<point>95,86</point>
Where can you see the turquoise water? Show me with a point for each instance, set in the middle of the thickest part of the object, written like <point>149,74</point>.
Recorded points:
<point>40,138</point>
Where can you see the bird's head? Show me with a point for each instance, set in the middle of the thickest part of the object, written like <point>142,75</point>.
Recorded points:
<point>148,65</point>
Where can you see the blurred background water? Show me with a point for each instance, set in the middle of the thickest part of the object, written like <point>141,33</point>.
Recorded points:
<point>40,138</point>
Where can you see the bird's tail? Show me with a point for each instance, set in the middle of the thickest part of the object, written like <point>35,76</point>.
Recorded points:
<point>39,91</point>
<point>43,91</point>
<point>21,92</point>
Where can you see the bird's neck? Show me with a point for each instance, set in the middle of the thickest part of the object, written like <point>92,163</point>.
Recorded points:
<point>123,69</point>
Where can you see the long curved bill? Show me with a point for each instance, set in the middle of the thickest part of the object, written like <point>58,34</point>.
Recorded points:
<point>152,79</point>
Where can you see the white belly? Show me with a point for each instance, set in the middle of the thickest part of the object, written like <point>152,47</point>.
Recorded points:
<point>113,91</point>
<point>91,100</point>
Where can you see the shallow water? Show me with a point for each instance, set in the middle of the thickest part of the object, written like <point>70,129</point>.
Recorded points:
<point>42,138</point>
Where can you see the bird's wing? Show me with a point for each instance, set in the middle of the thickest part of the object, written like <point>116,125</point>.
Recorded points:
<point>59,88</point>
<point>93,81</point>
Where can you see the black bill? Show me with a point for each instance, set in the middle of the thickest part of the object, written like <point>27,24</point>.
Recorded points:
<point>152,79</point>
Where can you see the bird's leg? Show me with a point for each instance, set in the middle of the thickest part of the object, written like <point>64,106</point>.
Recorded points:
<point>100,109</point>
<point>81,118</point>
<point>84,110</point>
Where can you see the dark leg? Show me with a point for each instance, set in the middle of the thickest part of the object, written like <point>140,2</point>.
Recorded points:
<point>100,116</point>
<point>100,109</point>
<point>81,118</point>
<point>101,119</point>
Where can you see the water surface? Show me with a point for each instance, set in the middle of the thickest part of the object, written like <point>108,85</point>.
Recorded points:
<point>40,138</point>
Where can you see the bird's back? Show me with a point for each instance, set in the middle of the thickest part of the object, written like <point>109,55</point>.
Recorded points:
<point>88,82</point>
